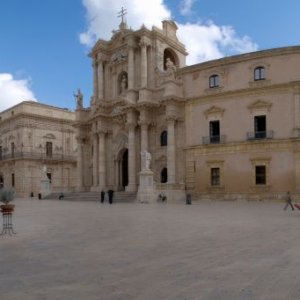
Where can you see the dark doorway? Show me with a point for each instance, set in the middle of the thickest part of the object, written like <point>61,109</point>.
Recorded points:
<point>1,181</point>
<point>164,175</point>
<point>214,131</point>
<point>260,125</point>
<point>125,168</point>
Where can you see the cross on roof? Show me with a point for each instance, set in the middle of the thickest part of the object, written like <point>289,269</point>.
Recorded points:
<point>122,13</point>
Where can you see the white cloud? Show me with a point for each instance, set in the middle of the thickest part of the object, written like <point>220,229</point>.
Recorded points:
<point>13,91</point>
<point>203,41</point>
<point>209,41</point>
<point>102,16</point>
<point>186,7</point>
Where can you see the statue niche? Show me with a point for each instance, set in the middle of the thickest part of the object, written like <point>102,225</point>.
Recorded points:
<point>123,83</point>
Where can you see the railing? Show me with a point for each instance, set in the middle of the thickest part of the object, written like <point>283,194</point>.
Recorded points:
<point>214,139</point>
<point>258,135</point>
<point>37,155</point>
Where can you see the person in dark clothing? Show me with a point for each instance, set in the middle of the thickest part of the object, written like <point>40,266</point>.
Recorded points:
<point>288,202</point>
<point>110,196</point>
<point>102,196</point>
<point>61,196</point>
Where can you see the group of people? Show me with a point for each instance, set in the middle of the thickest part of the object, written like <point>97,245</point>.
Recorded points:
<point>110,196</point>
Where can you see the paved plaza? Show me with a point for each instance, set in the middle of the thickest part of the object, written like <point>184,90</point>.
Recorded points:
<point>67,250</point>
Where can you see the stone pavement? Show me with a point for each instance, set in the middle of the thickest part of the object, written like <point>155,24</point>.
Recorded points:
<point>210,250</point>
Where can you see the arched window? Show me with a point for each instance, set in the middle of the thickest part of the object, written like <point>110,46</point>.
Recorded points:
<point>164,138</point>
<point>214,81</point>
<point>164,175</point>
<point>259,73</point>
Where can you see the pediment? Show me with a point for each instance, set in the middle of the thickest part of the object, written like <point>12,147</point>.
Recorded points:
<point>260,105</point>
<point>49,136</point>
<point>214,111</point>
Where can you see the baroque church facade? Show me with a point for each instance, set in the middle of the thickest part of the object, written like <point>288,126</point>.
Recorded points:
<point>222,129</point>
<point>225,129</point>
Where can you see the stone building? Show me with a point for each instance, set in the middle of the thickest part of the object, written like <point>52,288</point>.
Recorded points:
<point>37,142</point>
<point>227,128</point>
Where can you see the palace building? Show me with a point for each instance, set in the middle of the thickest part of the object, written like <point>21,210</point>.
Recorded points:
<point>37,141</point>
<point>222,129</point>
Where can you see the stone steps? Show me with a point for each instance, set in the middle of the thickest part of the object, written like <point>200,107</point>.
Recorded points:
<point>120,197</point>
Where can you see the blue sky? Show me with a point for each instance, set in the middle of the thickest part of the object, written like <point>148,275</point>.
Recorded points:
<point>44,44</point>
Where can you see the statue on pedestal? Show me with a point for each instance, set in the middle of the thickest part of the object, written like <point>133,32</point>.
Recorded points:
<point>79,99</point>
<point>146,160</point>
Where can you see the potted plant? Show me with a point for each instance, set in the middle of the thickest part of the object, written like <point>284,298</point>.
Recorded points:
<point>6,196</point>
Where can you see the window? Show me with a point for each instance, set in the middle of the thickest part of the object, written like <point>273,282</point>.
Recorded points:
<point>214,131</point>
<point>164,175</point>
<point>260,126</point>
<point>260,175</point>
<point>214,81</point>
<point>13,180</point>
<point>259,73</point>
<point>48,149</point>
<point>164,138</point>
<point>215,176</point>
<point>12,147</point>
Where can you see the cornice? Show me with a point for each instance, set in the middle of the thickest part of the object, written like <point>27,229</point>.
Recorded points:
<point>241,58</point>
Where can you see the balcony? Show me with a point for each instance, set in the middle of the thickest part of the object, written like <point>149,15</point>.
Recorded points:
<point>260,135</point>
<point>213,139</point>
<point>37,156</point>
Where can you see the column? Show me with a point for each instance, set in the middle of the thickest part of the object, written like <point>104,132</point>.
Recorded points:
<point>130,68</point>
<point>100,76</point>
<point>95,159</point>
<point>171,149</point>
<point>102,160</point>
<point>131,158</point>
<point>95,83</point>
<point>297,110</point>
<point>79,164</point>
<point>144,136</point>
<point>143,64</point>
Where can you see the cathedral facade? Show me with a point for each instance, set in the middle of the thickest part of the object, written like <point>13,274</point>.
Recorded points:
<point>226,129</point>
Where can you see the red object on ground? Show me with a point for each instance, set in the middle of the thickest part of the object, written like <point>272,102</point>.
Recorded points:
<point>297,205</point>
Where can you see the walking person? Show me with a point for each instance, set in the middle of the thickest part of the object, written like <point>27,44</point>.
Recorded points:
<point>102,196</point>
<point>288,201</point>
<point>110,196</point>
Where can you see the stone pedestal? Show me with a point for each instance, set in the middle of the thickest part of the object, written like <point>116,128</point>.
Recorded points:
<point>45,187</point>
<point>146,192</point>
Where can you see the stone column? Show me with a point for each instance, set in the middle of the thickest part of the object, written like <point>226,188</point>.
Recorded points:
<point>144,136</point>
<point>171,159</point>
<point>95,83</point>
<point>143,64</point>
<point>130,68</point>
<point>297,109</point>
<point>79,164</point>
<point>102,160</point>
<point>95,159</point>
<point>100,77</point>
<point>131,157</point>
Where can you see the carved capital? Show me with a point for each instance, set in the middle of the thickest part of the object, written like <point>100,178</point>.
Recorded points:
<point>171,119</point>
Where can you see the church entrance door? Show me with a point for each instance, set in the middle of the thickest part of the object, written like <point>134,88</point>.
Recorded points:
<point>123,169</point>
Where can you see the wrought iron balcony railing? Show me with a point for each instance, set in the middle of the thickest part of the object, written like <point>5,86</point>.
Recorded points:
<point>258,135</point>
<point>214,139</point>
<point>37,155</point>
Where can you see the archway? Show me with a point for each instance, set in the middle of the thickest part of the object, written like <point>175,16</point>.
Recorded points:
<point>122,169</point>
<point>169,53</point>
